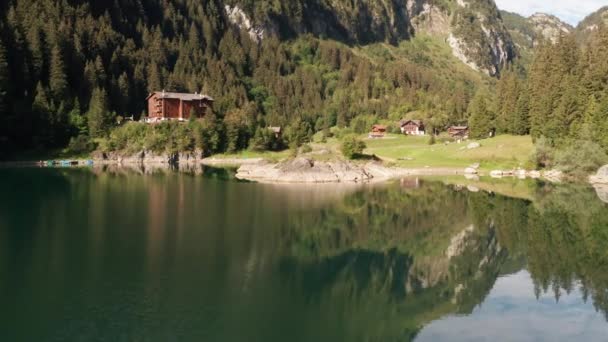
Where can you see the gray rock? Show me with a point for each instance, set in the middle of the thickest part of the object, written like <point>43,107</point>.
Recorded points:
<point>472,177</point>
<point>554,176</point>
<point>470,171</point>
<point>496,174</point>
<point>601,177</point>
<point>473,145</point>
<point>602,192</point>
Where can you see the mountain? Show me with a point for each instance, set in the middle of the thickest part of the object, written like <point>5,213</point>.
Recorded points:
<point>473,28</point>
<point>528,32</point>
<point>591,24</point>
<point>549,27</point>
<point>70,68</point>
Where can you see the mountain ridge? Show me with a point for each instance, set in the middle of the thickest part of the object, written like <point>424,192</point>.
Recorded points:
<point>365,22</point>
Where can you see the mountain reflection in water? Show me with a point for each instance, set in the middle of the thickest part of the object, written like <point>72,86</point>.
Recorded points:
<point>118,255</point>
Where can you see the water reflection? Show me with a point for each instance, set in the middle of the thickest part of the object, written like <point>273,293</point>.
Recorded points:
<point>156,255</point>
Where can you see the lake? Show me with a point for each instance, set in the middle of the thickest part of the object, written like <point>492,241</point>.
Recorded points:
<point>124,255</point>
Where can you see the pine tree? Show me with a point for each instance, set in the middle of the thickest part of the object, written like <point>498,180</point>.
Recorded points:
<point>521,123</point>
<point>508,92</point>
<point>4,82</point>
<point>57,77</point>
<point>99,117</point>
<point>481,120</point>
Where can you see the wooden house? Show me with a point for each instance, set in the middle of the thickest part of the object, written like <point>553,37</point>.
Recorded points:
<point>163,106</point>
<point>459,132</point>
<point>412,127</point>
<point>378,131</point>
<point>277,131</point>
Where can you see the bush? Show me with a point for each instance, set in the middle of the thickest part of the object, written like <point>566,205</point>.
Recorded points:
<point>363,123</point>
<point>80,145</point>
<point>306,148</point>
<point>543,155</point>
<point>581,158</point>
<point>352,146</point>
<point>340,133</point>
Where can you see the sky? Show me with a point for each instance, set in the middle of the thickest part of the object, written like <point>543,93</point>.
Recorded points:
<point>571,11</point>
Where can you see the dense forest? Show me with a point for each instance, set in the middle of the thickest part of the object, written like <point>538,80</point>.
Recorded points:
<point>562,101</point>
<point>71,69</point>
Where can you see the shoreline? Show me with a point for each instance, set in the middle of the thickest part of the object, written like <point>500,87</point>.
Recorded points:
<point>300,170</point>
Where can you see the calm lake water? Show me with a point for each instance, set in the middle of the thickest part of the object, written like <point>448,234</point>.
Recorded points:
<point>121,256</point>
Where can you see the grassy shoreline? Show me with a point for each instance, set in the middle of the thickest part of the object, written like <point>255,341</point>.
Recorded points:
<point>500,153</point>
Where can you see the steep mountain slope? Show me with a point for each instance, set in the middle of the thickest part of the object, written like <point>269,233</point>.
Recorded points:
<point>473,28</point>
<point>73,67</point>
<point>527,33</point>
<point>591,24</point>
<point>549,27</point>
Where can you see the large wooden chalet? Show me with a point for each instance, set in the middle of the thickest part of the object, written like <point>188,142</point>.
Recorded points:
<point>163,106</point>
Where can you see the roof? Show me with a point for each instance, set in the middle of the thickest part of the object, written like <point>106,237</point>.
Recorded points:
<point>415,122</point>
<point>460,128</point>
<point>276,130</point>
<point>181,96</point>
<point>380,126</point>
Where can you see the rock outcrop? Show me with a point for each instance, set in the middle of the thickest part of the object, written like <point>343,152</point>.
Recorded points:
<point>601,177</point>
<point>474,31</point>
<point>305,170</point>
<point>549,27</point>
<point>147,157</point>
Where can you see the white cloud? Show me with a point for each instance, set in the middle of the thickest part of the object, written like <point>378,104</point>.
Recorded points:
<point>571,11</point>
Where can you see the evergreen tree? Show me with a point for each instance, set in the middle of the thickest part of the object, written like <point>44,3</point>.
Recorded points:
<point>99,117</point>
<point>481,120</point>
<point>57,76</point>
<point>4,83</point>
<point>521,122</point>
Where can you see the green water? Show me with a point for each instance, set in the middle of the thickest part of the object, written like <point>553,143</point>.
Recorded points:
<point>169,256</point>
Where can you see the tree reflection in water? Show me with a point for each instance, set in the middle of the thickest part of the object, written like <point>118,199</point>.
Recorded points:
<point>424,252</point>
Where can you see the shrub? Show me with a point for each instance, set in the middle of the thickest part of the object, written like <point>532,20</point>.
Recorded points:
<point>352,146</point>
<point>306,148</point>
<point>581,158</point>
<point>80,145</point>
<point>543,155</point>
<point>363,123</point>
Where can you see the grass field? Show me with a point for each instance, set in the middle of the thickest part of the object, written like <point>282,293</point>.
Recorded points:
<point>503,152</point>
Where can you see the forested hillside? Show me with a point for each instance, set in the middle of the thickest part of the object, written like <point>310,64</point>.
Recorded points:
<point>69,68</point>
<point>562,102</point>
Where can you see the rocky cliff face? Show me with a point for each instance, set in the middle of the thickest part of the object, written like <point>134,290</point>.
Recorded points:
<point>473,28</point>
<point>479,37</point>
<point>591,23</point>
<point>528,32</point>
<point>549,27</point>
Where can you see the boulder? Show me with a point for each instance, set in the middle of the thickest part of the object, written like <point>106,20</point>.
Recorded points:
<point>534,174</point>
<point>470,171</point>
<point>472,177</point>
<point>472,188</point>
<point>473,145</point>
<point>554,176</point>
<point>602,192</point>
<point>601,177</point>
<point>496,174</point>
